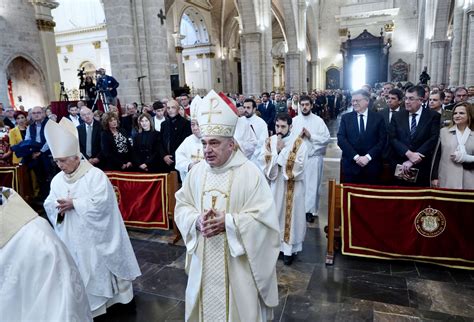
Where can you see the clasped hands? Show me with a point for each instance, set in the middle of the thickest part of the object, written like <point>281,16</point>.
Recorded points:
<point>362,161</point>
<point>64,205</point>
<point>211,223</point>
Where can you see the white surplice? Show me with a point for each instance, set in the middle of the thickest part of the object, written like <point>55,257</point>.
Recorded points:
<point>316,150</point>
<point>286,173</point>
<point>187,153</point>
<point>232,275</point>
<point>39,280</point>
<point>260,128</point>
<point>246,137</point>
<point>95,235</point>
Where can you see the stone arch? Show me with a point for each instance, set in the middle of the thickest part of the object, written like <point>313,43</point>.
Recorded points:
<point>193,25</point>
<point>28,81</point>
<point>89,68</point>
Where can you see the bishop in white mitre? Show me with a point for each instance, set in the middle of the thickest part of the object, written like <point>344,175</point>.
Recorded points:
<point>190,151</point>
<point>226,215</point>
<point>83,210</point>
<point>284,163</point>
<point>39,280</point>
<point>317,137</point>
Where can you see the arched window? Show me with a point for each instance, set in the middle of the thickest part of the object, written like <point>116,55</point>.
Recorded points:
<point>193,28</point>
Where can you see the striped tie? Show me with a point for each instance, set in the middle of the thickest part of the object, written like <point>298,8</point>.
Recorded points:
<point>413,125</point>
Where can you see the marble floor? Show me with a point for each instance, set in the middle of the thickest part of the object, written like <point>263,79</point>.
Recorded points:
<point>353,289</point>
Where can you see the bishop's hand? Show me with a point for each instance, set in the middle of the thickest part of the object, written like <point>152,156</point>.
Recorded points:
<point>214,223</point>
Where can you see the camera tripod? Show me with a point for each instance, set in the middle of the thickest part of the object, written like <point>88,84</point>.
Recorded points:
<point>100,94</point>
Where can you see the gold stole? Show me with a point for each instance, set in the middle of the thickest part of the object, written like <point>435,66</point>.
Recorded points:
<point>290,188</point>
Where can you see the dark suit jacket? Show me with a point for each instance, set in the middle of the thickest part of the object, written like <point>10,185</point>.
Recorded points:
<point>173,133</point>
<point>424,141</point>
<point>388,152</point>
<point>268,115</point>
<point>112,159</point>
<point>80,119</point>
<point>96,139</point>
<point>371,142</point>
<point>8,123</point>
<point>146,149</point>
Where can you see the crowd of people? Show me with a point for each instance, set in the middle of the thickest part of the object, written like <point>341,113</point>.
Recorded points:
<point>250,167</point>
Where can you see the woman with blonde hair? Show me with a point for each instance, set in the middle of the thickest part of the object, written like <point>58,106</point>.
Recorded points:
<point>453,166</point>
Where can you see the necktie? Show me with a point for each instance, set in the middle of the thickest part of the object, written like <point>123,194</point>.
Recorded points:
<point>361,123</point>
<point>88,140</point>
<point>413,125</point>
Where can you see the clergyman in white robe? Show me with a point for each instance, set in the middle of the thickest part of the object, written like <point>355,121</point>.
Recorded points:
<point>188,154</point>
<point>316,150</point>
<point>285,171</point>
<point>39,280</point>
<point>95,234</point>
<point>246,137</point>
<point>232,275</point>
<point>260,129</point>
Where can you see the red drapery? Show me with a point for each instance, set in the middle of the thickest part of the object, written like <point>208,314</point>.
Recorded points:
<point>142,198</point>
<point>9,177</point>
<point>430,225</point>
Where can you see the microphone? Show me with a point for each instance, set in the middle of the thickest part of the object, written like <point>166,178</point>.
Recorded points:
<point>140,77</point>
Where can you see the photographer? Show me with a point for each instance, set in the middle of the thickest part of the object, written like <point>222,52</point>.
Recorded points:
<point>90,91</point>
<point>107,85</point>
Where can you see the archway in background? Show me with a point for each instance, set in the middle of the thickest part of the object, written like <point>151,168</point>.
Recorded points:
<point>27,84</point>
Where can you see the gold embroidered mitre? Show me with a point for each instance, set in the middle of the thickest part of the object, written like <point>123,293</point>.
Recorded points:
<point>217,115</point>
<point>195,104</point>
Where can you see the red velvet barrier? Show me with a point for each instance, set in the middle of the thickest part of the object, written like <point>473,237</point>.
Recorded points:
<point>428,225</point>
<point>142,198</point>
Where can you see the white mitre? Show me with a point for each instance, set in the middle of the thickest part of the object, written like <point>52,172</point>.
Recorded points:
<point>195,103</point>
<point>217,116</point>
<point>62,138</point>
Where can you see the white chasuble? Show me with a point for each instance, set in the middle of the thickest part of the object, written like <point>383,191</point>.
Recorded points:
<point>286,173</point>
<point>232,276</point>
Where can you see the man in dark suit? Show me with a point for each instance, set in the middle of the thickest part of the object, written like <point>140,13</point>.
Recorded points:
<point>362,136</point>
<point>394,105</point>
<point>73,115</point>
<point>413,135</point>
<point>174,130</point>
<point>89,137</point>
<point>267,112</point>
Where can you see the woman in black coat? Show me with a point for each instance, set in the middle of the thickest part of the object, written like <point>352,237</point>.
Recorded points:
<point>146,146</point>
<point>116,145</point>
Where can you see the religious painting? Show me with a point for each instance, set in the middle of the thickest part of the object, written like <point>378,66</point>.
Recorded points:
<point>399,71</point>
<point>333,78</point>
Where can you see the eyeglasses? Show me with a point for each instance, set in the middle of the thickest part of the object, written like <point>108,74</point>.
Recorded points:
<point>411,99</point>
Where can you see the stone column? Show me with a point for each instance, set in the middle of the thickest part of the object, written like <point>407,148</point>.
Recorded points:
<point>314,75</point>
<point>122,39</point>
<point>421,39</point>
<point>157,50</point>
<point>456,43</point>
<point>252,68</point>
<point>301,25</point>
<point>292,66</point>
<point>179,57</point>
<point>470,53</point>
<point>45,24</point>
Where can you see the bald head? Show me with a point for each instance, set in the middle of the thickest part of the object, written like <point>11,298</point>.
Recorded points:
<point>86,115</point>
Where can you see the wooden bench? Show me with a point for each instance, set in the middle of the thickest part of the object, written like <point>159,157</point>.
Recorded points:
<point>333,230</point>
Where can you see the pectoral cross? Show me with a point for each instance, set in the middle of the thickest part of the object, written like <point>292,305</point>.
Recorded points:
<point>212,110</point>
<point>197,156</point>
<point>161,16</point>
